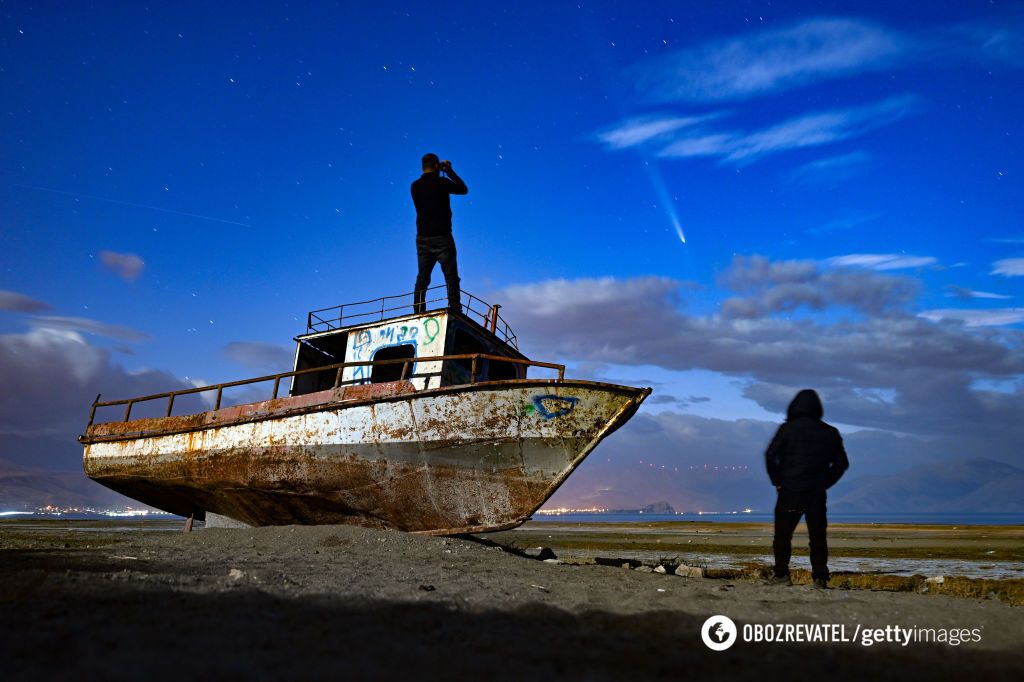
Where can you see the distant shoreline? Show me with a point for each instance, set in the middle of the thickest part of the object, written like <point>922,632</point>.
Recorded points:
<point>917,519</point>
<point>938,519</point>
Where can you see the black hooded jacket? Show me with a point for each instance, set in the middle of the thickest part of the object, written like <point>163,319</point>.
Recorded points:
<point>806,454</point>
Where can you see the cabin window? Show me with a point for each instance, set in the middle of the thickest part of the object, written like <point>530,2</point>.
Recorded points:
<point>502,371</point>
<point>392,372</point>
<point>318,352</point>
<point>465,343</point>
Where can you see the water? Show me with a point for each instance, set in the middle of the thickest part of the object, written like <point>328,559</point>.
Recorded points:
<point>991,570</point>
<point>940,519</point>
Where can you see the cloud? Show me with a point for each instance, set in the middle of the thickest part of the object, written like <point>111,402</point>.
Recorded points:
<point>808,130</point>
<point>51,377</point>
<point>1009,267</point>
<point>929,368</point>
<point>783,286</point>
<point>19,303</point>
<point>548,297</point>
<point>771,61</point>
<point>84,324</point>
<point>882,261</point>
<point>669,399</point>
<point>961,292</point>
<point>262,356</point>
<point>127,266</point>
<point>644,129</point>
<point>832,170</point>
<point>989,317</point>
<point>639,321</point>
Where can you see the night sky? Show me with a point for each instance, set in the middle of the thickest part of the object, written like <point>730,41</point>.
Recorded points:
<point>726,201</point>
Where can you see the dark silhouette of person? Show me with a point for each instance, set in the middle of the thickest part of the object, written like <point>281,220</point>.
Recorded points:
<point>434,241</point>
<point>805,458</point>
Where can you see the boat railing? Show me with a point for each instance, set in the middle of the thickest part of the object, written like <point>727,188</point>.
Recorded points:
<point>378,309</point>
<point>338,369</point>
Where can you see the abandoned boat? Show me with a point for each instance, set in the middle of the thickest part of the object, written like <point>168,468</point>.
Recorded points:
<point>417,420</point>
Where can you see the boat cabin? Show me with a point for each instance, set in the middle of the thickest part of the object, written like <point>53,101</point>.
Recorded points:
<point>404,344</point>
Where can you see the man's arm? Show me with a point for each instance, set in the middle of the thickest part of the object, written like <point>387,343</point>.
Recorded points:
<point>773,457</point>
<point>455,183</point>
<point>839,462</point>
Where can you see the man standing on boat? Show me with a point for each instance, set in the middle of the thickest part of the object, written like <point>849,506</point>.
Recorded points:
<point>434,241</point>
<point>805,459</point>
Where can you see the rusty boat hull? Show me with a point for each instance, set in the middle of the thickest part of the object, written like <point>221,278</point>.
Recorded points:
<point>457,459</point>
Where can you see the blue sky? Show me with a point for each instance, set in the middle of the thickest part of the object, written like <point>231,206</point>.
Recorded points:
<point>179,184</point>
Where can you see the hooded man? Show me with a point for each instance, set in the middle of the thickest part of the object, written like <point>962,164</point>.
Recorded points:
<point>805,458</point>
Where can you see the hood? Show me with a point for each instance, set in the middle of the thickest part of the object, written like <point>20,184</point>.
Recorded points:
<point>805,404</point>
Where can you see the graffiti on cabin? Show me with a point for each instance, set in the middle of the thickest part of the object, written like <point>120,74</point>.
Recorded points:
<point>424,335</point>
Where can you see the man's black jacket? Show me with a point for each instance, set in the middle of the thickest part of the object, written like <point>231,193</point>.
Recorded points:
<point>806,455</point>
<point>430,194</point>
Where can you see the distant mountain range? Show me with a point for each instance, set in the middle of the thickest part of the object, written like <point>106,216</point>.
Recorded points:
<point>967,486</point>
<point>976,485</point>
<point>23,488</point>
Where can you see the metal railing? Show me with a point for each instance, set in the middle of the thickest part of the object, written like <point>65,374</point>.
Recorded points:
<point>378,309</point>
<point>338,368</point>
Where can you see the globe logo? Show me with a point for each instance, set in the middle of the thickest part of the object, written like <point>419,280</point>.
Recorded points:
<point>718,633</point>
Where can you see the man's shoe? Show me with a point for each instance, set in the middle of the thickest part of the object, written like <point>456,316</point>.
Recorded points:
<point>780,580</point>
<point>821,583</point>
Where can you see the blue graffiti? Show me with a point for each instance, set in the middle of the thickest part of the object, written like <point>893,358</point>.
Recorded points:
<point>359,342</point>
<point>565,405</point>
<point>407,332</point>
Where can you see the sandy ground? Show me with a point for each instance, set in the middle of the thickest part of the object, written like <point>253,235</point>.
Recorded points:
<point>337,602</point>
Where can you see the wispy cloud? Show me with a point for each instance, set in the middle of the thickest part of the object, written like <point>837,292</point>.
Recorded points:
<point>20,303</point>
<point>809,130</point>
<point>636,131</point>
<point>127,266</point>
<point>771,61</point>
<point>817,50</point>
<point>1009,267</point>
<point>993,317</point>
<point>1002,41</point>
<point>1006,240</point>
<point>961,292</point>
<point>882,261</point>
<point>844,223</point>
<point>832,170</point>
<point>259,355</point>
<point>776,61</point>
<point>88,326</point>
